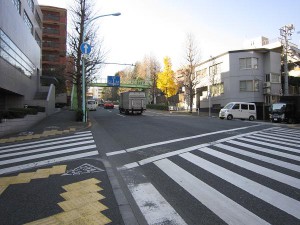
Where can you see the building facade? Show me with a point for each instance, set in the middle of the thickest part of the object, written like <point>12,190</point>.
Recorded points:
<point>20,51</point>
<point>250,75</point>
<point>54,59</point>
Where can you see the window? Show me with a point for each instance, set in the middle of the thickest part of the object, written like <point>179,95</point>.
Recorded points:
<point>215,69</point>
<point>244,106</point>
<point>38,19</point>
<point>236,106</point>
<point>201,72</point>
<point>13,55</point>
<point>251,107</point>
<point>217,89</point>
<point>268,77</point>
<point>28,22</point>
<point>248,63</point>
<point>31,5</point>
<point>275,78</point>
<point>249,85</point>
<point>17,4</point>
<point>38,39</point>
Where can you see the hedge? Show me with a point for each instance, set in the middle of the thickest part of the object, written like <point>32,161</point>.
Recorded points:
<point>158,106</point>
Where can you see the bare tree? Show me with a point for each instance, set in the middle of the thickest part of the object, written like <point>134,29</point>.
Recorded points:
<point>192,59</point>
<point>81,12</point>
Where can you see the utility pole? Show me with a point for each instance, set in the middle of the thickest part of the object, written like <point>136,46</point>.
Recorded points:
<point>286,33</point>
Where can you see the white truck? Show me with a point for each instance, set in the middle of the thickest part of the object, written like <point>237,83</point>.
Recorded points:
<point>132,102</point>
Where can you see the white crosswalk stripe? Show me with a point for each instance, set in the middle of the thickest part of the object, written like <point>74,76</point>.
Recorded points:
<point>264,166</point>
<point>16,157</point>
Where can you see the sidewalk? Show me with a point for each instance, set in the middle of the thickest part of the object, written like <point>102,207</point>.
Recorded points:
<point>62,122</point>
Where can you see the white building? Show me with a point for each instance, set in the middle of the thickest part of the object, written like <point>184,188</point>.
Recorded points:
<point>249,75</point>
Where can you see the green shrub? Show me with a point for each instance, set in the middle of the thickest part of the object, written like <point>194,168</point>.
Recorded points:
<point>29,111</point>
<point>158,106</point>
<point>38,108</point>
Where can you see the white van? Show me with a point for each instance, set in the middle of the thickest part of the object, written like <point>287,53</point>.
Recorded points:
<point>238,110</point>
<point>92,105</point>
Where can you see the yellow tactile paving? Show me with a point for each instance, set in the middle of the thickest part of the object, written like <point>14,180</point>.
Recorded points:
<point>80,201</point>
<point>81,184</point>
<point>85,190</point>
<point>82,206</point>
<point>2,188</point>
<point>36,136</point>
<point>27,177</point>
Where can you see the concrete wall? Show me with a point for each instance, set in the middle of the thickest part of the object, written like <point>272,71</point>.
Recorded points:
<point>10,126</point>
<point>17,86</point>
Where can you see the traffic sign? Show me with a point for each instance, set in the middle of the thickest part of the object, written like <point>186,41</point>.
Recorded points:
<point>113,81</point>
<point>85,48</point>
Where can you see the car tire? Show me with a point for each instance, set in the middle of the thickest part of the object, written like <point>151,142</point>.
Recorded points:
<point>229,117</point>
<point>251,118</point>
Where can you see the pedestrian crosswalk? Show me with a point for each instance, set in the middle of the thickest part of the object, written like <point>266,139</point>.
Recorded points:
<point>250,179</point>
<point>27,155</point>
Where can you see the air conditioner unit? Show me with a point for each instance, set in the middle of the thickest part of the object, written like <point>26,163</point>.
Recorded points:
<point>267,84</point>
<point>267,90</point>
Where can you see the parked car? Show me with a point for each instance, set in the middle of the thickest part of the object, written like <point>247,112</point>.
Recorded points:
<point>238,110</point>
<point>108,105</point>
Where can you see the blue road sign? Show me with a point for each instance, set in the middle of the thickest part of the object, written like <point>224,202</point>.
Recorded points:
<point>113,81</point>
<point>85,48</point>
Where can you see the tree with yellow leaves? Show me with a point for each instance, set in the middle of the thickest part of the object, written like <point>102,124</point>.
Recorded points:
<point>166,80</point>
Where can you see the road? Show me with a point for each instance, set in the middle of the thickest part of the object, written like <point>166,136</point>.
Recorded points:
<point>172,169</point>
<point>182,169</point>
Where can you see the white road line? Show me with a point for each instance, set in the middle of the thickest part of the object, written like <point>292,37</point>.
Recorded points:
<point>284,142</point>
<point>154,207</point>
<point>45,149</point>
<point>283,178</point>
<point>180,139</point>
<point>225,208</point>
<point>260,157</point>
<point>283,202</point>
<point>277,137</point>
<point>44,141</point>
<point>118,114</point>
<point>115,153</point>
<point>177,152</point>
<point>261,149</point>
<point>287,131</point>
<point>277,134</point>
<point>25,158</point>
<point>271,145</point>
<point>46,162</point>
<point>83,132</point>
<point>46,144</point>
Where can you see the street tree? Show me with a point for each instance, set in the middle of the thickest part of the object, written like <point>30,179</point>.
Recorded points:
<point>190,78</point>
<point>81,12</point>
<point>166,80</point>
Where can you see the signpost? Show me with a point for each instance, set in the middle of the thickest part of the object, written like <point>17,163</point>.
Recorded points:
<point>113,81</point>
<point>85,49</point>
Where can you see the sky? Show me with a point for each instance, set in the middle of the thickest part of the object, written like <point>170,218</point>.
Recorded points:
<point>159,28</point>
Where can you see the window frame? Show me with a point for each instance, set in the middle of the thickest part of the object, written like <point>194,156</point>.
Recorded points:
<point>248,63</point>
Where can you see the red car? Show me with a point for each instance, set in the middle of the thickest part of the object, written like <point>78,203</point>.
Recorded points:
<point>108,105</point>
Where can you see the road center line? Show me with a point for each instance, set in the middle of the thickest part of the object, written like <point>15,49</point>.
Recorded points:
<point>181,151</point>
<point>177,140</point>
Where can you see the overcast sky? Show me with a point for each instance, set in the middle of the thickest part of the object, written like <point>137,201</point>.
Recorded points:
<point>159,27</point>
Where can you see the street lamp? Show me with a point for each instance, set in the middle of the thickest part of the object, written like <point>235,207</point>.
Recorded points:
<point>85,24</point>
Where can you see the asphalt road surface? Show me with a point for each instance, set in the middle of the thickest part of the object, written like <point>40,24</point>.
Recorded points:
<point>183,169</point>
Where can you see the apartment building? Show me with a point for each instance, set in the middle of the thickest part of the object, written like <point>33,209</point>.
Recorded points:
<point>248,75</point>
<point>54,57</point>
<point>20,51</point>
